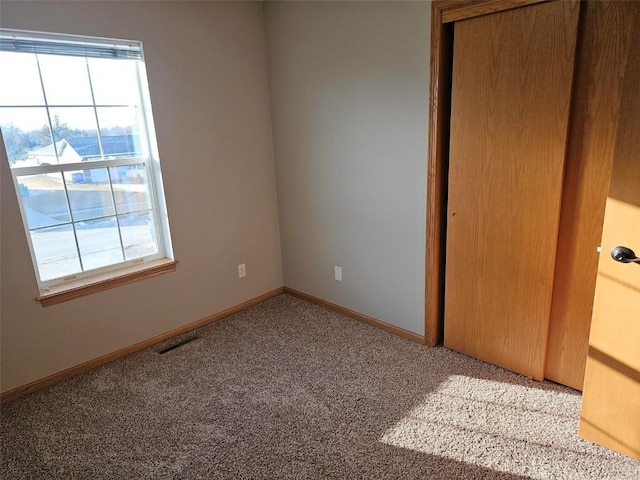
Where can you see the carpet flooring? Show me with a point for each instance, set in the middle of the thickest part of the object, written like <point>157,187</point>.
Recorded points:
<point>287,389</point>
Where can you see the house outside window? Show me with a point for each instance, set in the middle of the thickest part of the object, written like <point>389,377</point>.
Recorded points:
<point>77,126</point>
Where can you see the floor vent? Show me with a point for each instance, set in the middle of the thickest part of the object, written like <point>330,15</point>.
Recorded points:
<point>177,344</point>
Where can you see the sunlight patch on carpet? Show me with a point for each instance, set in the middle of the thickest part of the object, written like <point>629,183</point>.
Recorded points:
<point>502,426</point>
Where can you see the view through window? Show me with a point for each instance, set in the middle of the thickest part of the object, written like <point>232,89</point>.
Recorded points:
<point>76,124</point>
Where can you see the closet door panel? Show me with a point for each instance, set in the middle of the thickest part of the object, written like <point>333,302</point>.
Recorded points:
<point>600,65</point>
<point>512,80</point>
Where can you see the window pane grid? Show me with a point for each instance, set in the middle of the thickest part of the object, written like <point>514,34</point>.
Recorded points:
<point>67,167</point>
<point>62,224</point>
<point>113,200</point>
<point>75,234</point>
<point>95,114</point>
<point>135,212</point>
<point>55,110</point>
<point>84,232</point>
<point>44,95</point>
<point>58,252</point>
<point>81,254</point>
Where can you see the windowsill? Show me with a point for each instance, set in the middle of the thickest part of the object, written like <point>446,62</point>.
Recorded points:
<point>80,288</point>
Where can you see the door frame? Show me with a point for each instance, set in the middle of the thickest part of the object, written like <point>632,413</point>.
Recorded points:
<point>443,14</point>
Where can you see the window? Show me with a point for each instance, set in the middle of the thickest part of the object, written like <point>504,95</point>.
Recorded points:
<point>77,126</point>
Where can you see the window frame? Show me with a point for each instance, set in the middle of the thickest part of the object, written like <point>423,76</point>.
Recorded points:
<point>84,282</point>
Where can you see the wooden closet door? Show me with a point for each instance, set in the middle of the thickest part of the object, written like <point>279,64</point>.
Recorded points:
<point>512,78</point>
<point>601,59</point>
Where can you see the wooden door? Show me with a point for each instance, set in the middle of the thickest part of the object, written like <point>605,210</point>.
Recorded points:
<point>611,394</point>
<point>601,59</point>
<point>511,89</point>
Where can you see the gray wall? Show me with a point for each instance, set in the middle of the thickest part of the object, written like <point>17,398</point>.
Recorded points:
<point>349,93</point>
<point>349,105</point>
<point>207,71</point>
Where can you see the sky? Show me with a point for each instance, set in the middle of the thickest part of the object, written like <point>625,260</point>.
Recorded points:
<point>66,82</point>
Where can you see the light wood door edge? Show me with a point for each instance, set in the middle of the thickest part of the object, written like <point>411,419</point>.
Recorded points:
<point>91,364</point>
<point>443,12</point>
<point>401,332</point>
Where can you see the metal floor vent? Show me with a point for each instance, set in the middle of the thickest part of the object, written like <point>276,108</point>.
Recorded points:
<point>177,344</point>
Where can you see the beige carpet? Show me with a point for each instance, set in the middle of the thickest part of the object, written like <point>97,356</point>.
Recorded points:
<point>287,389</point>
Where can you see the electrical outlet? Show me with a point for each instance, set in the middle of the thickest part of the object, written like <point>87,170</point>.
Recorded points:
<point>242,270</point>
<point>338,273</point>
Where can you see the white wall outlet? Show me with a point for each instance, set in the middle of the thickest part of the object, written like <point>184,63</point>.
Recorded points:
<point>338,273</point>
<point>242,270</point>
